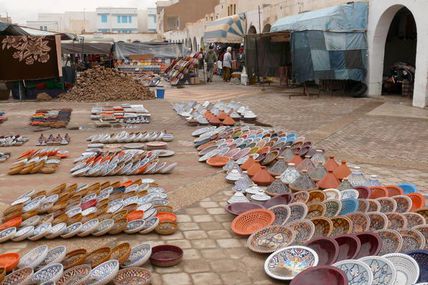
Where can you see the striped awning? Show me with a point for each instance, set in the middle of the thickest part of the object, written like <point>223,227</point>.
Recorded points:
<point>226,30</point>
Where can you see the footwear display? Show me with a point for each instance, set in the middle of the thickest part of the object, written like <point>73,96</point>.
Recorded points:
<point>125,113</point>
<point>33,161</point>
<point>131,137</point>
<point>51,118</point>
<point>52,140</point>
<point>16,140</point>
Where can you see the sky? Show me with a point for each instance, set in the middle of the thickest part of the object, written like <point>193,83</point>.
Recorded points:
<point>26,10</point>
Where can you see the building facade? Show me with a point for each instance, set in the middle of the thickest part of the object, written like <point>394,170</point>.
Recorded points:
<point>117,20</point>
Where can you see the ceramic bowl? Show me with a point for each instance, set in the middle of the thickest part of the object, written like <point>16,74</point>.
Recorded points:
<point>40,232</point>
<point>56,230</point>
<point>383,270</point>
<point>103,273</point>
<point>360,222</point>
<point>407,268</point>
<point>104,227</point>
<point>98,256</point>
<point>300,196</point>
<point>251,221</point>
<point>350,194</point>
<point>349,246</point>
<point>363,205</point>
<point>315,210</point>
<point>131,276</point>
<point>333,207</point>
<point>282,213</point>
<point>323,226</point>
<point>341,225</point>
<point>286,263</point>
<point>19,277</point>
<point>55,255</point>
<point>49,273</point>
<point>270,239</point>
<point>391,241</point>
<point>414,219</point>
<point>404,203</point>
<point>88,228</point>
<point>282,199</point>
<point>150,225</point>
<point>135,226</point>
<point>298,211</point>
<point>363,192</point>
<point>423,212</point>
<point>316,196</point>
<point>23,233</point>
<point>357,272</point>
<point>75,275</point>
<point>349,205</point>
<point>74,258</point>
<point>166,255</point>
<point>7,234</point>
<point>304,231</point>
<point>373,205</point>
<point>387,204</point>
<point>121,252</point>
<point>412,240</point>
<point>378,221</point>
<point>34,257</point>
<point>371,244</point>
<point>421,257</point>
<point>396,221</point>
<point>326,248</point>
<point>332,194</point>
<point>323,274</point>
<point>72,230</point>
<point>139,255</point>
<point>9,261</point>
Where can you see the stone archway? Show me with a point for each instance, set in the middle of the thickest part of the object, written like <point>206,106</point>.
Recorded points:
<point>252,30</point>
<point>266,28</point>
<point>381,16</point>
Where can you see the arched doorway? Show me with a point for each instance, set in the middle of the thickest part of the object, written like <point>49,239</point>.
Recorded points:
<point>252,30</point>
<point>266,28</point>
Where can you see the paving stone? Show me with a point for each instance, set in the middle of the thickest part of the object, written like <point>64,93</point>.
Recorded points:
<point>197,265</point>
<point>219,234</point>
<point>223,218</point>
<point>216,211</point>
<point>237,252</point>
<point>156,278</point>
<point>183,218</point>
<point>202,218</point>
<point>208,204</point>
<point>176,279</point>
<point>180,243</point>
<point>217,253</point>
<point>211,226</point>
<point>195,235</point>
<point>235,278</point>
<point>188,226</point>
<point>174,269</point>
<point>191,254</point>
<point>229,243</point>
<point>206,278</point>
<point>226,265</point>
<point>196,211</point>
<point>176,235</point>
<point>203,243</point>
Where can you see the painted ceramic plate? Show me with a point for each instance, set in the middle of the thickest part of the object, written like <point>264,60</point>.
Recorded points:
<point>383,270</point>
<point>270,239</point>
<point>358,272</point>
<point>407,268</point>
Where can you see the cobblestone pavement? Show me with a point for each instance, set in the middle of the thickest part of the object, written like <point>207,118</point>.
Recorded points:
<point>365,131</point>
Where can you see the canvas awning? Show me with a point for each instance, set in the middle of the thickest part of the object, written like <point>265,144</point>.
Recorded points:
<point>86,48</point>
<point>226,30</point>
<point>341,18</point>
<point>123,50</point>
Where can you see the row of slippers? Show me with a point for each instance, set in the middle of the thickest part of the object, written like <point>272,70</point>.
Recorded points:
<point>126,137</point>
<point>52,140</point>
<point>16,140</point>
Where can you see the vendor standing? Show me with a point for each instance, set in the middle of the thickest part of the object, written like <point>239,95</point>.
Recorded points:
<point>227,65</point>
<point>211,59</point>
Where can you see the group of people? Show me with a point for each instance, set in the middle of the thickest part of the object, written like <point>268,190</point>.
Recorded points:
<point>222,62</point>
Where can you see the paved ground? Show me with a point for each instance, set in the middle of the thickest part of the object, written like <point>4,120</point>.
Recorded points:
<point>371,132</point>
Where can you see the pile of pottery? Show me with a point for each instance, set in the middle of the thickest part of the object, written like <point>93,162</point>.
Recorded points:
<point>131,137</point>
<point>52,140</point>
<point>43,265</point>
<point>12,140</point>
<point>120,162</point>
<point>98,209</point>
<point>46,161</point>
<point>216,114</point>
<point>3,117</point>
<point>125,113</point>
<point>51,118</point>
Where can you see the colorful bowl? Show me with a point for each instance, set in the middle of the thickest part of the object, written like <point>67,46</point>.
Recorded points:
<point>270,239</point>
<point>357,272</point>
<point>251,221</point>
<point>421,257</point>
<point>9,261</point>
<point>391,241</point>
<point>341,225</point>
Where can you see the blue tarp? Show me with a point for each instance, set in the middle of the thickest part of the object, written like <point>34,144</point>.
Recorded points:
<point>342,18</point>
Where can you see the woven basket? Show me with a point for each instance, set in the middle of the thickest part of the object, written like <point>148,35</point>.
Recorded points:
<point>98,256</point>
<point>121,252</point>
<point>252,221</point>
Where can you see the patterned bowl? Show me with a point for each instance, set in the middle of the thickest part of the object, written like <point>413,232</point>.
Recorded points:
<point>304,231</point>
<point>391,241</point>
<point>349,246</point>
<point>251,221</point>
<point>138,256</point>
<point>378,221</point>
<point>300,196</point>
<point>72,230</point>
<point>387,204</point>
<point>414,219</point>
<point>363,205</point>
<point>349,205</point>
<point>282,213</point>
<point>315,210</point>
<point>19,277</point>
<point>350,194</point>
<point>150,225</point>
<point>374,205</point>
<point>49,273</point>
<point>55,255</point>
<point>135,226</point>
<point>357,272</point>
<point>316,196</point>
<point>121,252</point>
<point>286,263</point>
<point>7,234</point>
<point>75,275</point>
<point>89,227</point>
<point>133,276</point>
<point>360,222</point>
<point>270,239</point>
<point>404,203</point>
<point>407,268</point>
<point>332,194</point>
<point>103,273</point>
<point>34,257</point>
<point>421,257</point>
<point>341,225</point>
<point>23,233</point>
<point>166,255</point>
<point>396,221</point>
<point>423,212</point>
<point>412,240</point>
<point>333,207</point>
<point>74,258</point>
<point>298,211</point>
<point>383,270</point>
<point>371,244</point>
<point>326,248</point>
<point>323,226</point>
<point>104,227</point>
<point>98,256</point>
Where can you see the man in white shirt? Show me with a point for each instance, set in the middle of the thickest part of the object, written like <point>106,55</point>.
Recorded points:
<point>227,65</point>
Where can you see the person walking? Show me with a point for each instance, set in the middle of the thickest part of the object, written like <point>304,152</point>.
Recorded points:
<point>211,59</point>
<point>227,65</point>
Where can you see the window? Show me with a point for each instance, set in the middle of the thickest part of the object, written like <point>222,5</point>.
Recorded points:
<point>234,9</point>
<point>124,19</point>
<point>228,10</point>
<point>129,19</point>
<point>103,18</point>
<point>118,19</point>
<point>41,28</point>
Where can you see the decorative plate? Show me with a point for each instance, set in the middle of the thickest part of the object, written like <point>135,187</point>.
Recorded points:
<point>383,270</point>
<point>387,205</point>
<point>270,239</point>
<point>423,229</point>
<point>414,219</point>
<point>391,241</point>
<point>304,230</point>
<point>103,273</point>
<point>282,213</point>
<point>333,207</point>
<point>396,221</point>
<point>407,268</point>
<point>360,222</point>
<point>357,272</point>
<point>34,257</point>
<point>286,263</point>
<point>404,203</point>
<point>341,225</point>
<point>139,255</point>
<point>412,240</point>
<point>298,211</point>
<point>133,276</point>
<point>378,221</point>
<point>49,273</point>
<point>75,275</point>
<point>316,209</point>
<point>323,226</point>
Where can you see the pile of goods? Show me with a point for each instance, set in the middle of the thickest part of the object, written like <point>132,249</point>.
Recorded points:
<point>57,265</point>
<point>99,209</point>
<point>46,160</point>
<point>120,162</point>
<point>316,216</point>
<point>215,114</point>
<point>53,140</point>
<point>101,84</point>
<point>2,117</point>
<point>125,113</point>
<point>179,68</point>
<point>17,140</point>
<point>134,137</point>
<point>4,156</point>
<point>51,118</point>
